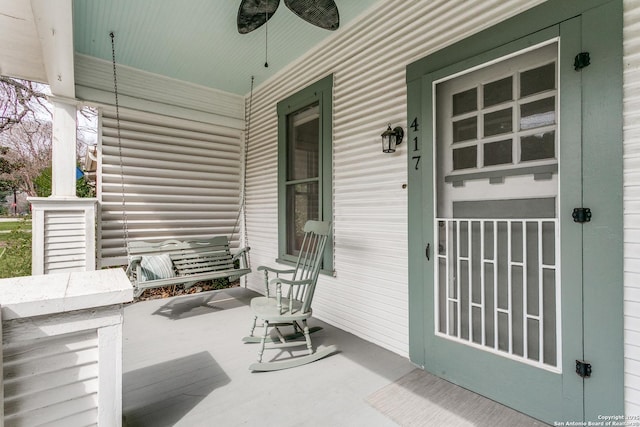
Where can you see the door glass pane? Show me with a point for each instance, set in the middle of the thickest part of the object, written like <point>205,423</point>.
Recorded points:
<point>498,153</point>
<point>303,143</point>
<point>503,331</point>
<point>538,146</point>
<point>442,295</point>
<point>517,313</point>
<point>465,102</point>
<point>498,122</point>
<point>549,313</point>
<point>302,205</point>
<point>477,333</point>
<point>465,130</point>
<point>498,92</point>
<point>538,80</point>
<point>464,158</point>
<point>538,113</point>
<point>533,339</point>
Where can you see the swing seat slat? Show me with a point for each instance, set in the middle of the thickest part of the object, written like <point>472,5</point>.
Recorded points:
<point>191,261</point>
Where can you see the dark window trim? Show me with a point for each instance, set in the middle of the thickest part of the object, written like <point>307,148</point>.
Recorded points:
<point>321,92</point>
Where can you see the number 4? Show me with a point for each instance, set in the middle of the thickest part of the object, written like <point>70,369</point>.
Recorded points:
<point>414,124</point>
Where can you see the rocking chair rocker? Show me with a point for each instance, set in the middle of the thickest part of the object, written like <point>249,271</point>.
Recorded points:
<point>295,307</point>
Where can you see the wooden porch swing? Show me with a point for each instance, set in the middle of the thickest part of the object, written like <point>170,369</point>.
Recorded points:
<point>158,264</point>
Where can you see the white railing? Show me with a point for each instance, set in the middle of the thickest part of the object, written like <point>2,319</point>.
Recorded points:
<point>62,348</point>
<point>497,287</point>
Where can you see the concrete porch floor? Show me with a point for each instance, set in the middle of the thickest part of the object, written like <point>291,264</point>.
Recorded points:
<point>185,365</point>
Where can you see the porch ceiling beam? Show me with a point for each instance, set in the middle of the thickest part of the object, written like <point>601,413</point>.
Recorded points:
<point>54,24</point>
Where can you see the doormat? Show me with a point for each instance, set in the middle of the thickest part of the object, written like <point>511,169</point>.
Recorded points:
<point>422,399</point>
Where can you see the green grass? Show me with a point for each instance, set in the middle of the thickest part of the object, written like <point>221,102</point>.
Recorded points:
<point>15,249</point>
<point>15,225</point>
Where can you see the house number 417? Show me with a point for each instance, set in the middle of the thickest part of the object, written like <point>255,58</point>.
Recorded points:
<point>414,127</point>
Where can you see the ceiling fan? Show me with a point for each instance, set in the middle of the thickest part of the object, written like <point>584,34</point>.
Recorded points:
<point>254,13</point>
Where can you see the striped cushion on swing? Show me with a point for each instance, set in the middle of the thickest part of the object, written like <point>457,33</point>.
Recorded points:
<point>154,267</point>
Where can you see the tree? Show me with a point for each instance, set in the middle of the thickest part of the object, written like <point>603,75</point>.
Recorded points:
<point>22,102</point>
<point>43,185</point>
<point>8,183</point>
<point>25,133</point>
<point>25,136</point>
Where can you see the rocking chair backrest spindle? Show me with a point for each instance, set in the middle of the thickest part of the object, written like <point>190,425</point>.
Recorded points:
<point>316,234</point>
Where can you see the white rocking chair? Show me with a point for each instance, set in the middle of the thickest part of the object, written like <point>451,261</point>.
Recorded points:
<point>294,307</point>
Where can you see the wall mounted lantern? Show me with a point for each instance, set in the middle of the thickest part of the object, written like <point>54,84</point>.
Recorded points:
<point>391,138</point>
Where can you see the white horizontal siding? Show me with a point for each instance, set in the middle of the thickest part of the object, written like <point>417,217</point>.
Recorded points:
<point>180,149</point>
<point>52,380</point>
<point>369,294</point>
<point>632,206</point>
<point>181,180</point>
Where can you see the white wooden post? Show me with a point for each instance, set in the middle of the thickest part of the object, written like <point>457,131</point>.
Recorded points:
<point>63,159</point>
<point>110,375</point>
<point>63,218</point>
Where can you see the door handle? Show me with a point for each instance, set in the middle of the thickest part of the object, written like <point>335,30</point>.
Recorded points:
<point>427,251</point>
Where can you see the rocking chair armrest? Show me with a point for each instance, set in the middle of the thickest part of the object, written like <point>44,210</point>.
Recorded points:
<point>274,270</point>
<point>280,280</point>
<point>267,270</point>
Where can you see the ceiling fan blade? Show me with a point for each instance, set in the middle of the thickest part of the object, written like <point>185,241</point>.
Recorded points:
<point>321,13</point>
<point>253,14</point>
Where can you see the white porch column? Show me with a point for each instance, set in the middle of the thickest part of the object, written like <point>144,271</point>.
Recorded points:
<point>63,225</point>
<point>63,155</point>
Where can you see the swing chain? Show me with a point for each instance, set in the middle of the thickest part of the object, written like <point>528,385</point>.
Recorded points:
<point>243,211</point>
<point>125,226</point>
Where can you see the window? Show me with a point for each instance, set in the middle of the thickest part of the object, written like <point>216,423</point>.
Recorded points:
<point>501,119</point>
<point>304,166</point>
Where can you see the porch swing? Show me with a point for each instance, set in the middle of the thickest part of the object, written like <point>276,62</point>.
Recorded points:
<point>171,262</point>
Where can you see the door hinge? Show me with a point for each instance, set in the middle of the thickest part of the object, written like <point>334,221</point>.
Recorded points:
<point>583,368</point>
<point>581,215</point>
<point>582,60</point>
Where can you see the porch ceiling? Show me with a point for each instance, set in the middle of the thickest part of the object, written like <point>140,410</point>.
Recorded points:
<point>195,41</point>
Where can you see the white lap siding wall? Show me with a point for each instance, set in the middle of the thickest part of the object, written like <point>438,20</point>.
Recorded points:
<point>181,148</point>
<point>369,294</point>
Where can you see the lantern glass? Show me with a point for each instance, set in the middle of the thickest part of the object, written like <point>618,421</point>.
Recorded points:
<point>389,141</point>
<point>389,144</point>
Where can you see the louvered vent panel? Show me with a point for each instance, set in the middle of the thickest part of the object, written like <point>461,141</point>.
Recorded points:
<point>181,181</point>
<point>64,241</point>
<point>51,380</point>
<point>368,61</point>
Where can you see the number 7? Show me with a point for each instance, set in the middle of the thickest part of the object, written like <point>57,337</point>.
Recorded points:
<point>417,159</point>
